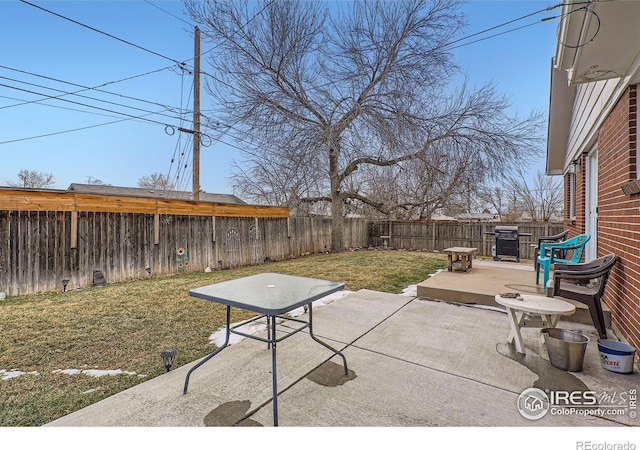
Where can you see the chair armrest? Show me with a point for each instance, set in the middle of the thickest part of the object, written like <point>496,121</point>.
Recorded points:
<point>555,238</point>
<point>564,248</point>
<point>603,264</point>
<point>578,275</point>
<point>577,267</point>
<point>544,247</point>
<point>579,271</point>
<point>548,249</point>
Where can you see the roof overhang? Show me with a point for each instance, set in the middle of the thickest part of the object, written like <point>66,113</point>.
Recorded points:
<point>560,105</point>
<point>597,40</point>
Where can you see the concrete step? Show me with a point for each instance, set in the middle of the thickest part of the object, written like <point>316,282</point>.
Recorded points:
<point>480,285</point>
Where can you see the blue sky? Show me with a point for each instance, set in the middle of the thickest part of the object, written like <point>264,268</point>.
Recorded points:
<point>39,135</point>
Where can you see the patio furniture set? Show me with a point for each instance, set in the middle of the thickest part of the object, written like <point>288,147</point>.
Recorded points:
<point>572,279</point>
<point>582,282</point>
<point>272,295</point>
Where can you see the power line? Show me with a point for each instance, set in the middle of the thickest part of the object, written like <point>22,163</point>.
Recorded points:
<point>493,35</point>
<point>236,31</point>
<point>64,93</point>
<point>178,142</point>
<point>102,109</point>
<point>439,48</point>
<point>544,19</point>
<point>169,13</point>
<point>500,26</point>
<point>87,88</point>
<point>180,64</point>
<point>179,165</point>
<point>84,111</point>
<point>69,131</point>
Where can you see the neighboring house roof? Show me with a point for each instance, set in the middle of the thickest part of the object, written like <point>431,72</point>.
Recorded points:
<point>153,193</point>
<point>476,216</point>
<point>556,218</point>
<point>441,217</point>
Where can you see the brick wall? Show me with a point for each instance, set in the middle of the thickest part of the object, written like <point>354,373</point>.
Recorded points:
<point>619,214</point>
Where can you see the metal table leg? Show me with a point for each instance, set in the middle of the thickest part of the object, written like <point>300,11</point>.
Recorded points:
<point>272,341</point>
<point>344,360</point>
<point>274,375</point>
<point>218,350</point>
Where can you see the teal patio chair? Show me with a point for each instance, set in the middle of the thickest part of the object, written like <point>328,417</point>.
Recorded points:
<point>572,249</point>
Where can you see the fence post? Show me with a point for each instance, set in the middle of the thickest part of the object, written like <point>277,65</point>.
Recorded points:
<point>484,240</point>
<point>433,235</point>
<point>74,229</point>
<point>156,229</point>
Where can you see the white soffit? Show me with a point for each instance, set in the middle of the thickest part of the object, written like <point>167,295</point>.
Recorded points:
<point>599,40</point>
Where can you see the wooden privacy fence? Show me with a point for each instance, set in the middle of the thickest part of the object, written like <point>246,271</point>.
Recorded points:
<point>47,237</point>
<point>440,235</point>
<point>36,252</point>
<point>40,247</point>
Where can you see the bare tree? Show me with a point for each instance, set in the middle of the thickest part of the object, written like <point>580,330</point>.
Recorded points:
<point>542,199</point>
<point>33,179</point>
<point>359,86</point>
<point>95,181</point>
<point>155,181</point>
<point>418,188</point>
<point>495,198</point>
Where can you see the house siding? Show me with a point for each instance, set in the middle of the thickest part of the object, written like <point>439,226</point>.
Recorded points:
<point>590,103</point>
<point>619,214</point>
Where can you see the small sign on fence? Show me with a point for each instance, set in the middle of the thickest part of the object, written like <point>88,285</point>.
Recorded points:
<point>182,259</point>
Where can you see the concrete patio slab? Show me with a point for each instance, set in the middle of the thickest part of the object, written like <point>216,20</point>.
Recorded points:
<point>416,363</point>
<point>239,372</point>
<point>400,394</point>
<point>487,278</point>
<point>452,339</point>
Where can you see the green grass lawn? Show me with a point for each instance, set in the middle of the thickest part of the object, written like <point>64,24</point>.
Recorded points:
<point>126,326</point>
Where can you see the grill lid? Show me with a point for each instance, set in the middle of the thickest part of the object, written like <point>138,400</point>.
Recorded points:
<point>506,229</point>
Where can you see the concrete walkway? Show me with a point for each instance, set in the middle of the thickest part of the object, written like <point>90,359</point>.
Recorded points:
<point>415,362</point>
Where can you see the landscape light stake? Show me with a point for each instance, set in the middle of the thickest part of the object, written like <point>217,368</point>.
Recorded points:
<point>168,355</point>
<point>64,285</point>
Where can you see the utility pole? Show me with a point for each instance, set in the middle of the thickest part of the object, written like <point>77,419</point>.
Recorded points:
<point>196,116</point>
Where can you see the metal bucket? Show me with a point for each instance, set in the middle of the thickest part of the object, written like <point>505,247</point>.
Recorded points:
<point>566,348</point>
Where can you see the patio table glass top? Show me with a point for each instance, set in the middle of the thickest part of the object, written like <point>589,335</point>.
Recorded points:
<point>268,293</point>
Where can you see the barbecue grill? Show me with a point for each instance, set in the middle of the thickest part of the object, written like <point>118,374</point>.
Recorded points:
<point>507,241</point>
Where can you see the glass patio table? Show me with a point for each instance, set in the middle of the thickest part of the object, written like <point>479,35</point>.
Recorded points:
<point>270,295</point>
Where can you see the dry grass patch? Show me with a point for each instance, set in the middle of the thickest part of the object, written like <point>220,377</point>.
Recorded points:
<point>126,325</point>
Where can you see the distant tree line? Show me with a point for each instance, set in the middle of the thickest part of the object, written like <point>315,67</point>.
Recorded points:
<point>540,199</point>
<point>42,180</point>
